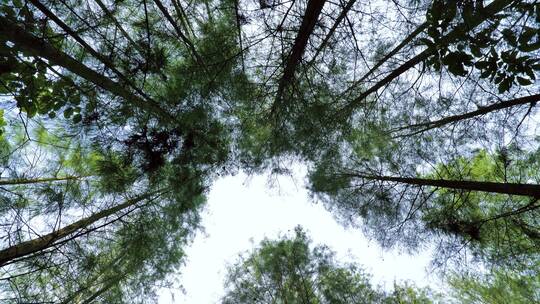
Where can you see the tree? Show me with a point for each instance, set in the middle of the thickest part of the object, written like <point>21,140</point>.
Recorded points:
<point>388,103</point>
<point>99,203</point>
<point>292,270</point>
<point>496,287</point>
<point>381,120</point>
<point>92,223</point>
<point>496,228</point>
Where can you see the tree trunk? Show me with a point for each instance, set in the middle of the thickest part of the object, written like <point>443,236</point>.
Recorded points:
<point>183,37</point>
<point>39,48</point>
<point>490,10</point>
<point>532,99</point>
<point>394,51</point>
<point>108,64</point>
<point>110,15</point>
<point>532,190</point>
<point>340,18</point>
<point>313,10</point>
<point>48,240</point>
<point>112,282</point>
<point>24,181</point>
<point>76,295</point>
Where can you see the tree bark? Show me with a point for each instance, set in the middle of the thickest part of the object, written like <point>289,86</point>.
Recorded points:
<point>490,10</point>
<point>532,99</point>
<point>24,181</point>
<point>340,18</point>
<point>394,51</point>
<point>43,242</point>
<point>112,282</point>
<point>110,15</point>
<point>39,48</point>
<point>183,37</point>
<point>532,190</point>
<point>311,15</point>
<point>76,295</point>
<point>108,64</point>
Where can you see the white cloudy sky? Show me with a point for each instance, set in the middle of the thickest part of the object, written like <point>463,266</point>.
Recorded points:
<point>242,211</point>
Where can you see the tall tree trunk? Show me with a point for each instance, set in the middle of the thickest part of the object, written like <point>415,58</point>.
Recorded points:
<point>181,14</point>
<point>108,64</point>
<point>394,51</point>
<point>340,18</point>
<point>489,11</point>
<point>313,10</point>
<point>425,126</point>
<point>532,190</point>
<point>39,48</point>
<point>110,284</point>
<point>24,181</point>
<point>239,27</point>
<point>183,37</point>
<point>110,15</point>
<point>48,240</point>
<point>92,281</point>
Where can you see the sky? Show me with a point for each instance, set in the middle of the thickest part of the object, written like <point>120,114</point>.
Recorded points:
<point>242,210</point>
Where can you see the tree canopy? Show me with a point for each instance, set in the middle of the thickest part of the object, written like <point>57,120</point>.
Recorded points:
<point>416,119</point>
<point>292,270</point>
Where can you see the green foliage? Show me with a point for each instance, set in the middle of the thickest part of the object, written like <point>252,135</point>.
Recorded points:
<point>485,220</point>
<point>512,62</point>
<point>410,294</point>
<point>292,270</point>
<point>36,92</point>
<point>496,287</point>
<point>150,104</point>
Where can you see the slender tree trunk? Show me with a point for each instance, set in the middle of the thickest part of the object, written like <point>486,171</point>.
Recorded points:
<point>340,18</point>
<point>239,27</point>
<point>110,15</point>
<point>183,18</point>
<point>88,48</point>
<point>112,282</point>
<point>71,298</point>
<point>394,51</point>
<point>39,48</point>
<point>313,10</point>
<point>48,240</point>
<point>208,11</point>
<point>490,10</point>
<point>532,190</point>
<point>532,99</point>
<point>24,181</point>
<point>183,37</point>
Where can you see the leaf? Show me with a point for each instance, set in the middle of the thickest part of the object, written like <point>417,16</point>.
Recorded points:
<point>505,85</point>
<point>475,50</point>
<point>457,69</point>
<point>530,47</point>
<point>77,118</point>
<point>509,36</point>
<point>485,74</point>
<point>68,112</point>
<point>481,65</point>
<point>529,71</point>
<point>527,34</point>
<point>468,15</point>
<point>427,42</point>
<point>524,81</point>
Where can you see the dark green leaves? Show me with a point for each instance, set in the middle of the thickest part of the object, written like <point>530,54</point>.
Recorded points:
<point>505,67</point>
<point>456,62</point>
